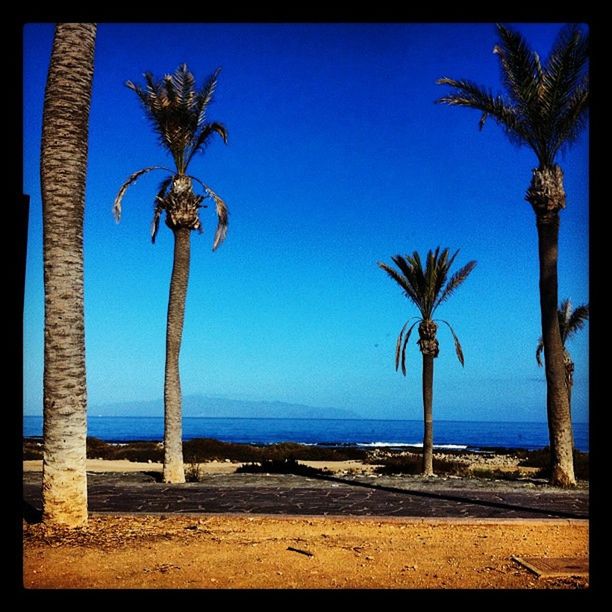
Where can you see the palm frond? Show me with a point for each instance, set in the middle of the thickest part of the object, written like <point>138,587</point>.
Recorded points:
<point>204,136</point>
<point>520,68</point>
<point>570,123</point>
<point>130,181</point>
<point>565,69</point>
<point>398,344</point>
<point>539,350</point>
<point>403,281</point>
<point>159,206</point>
<point>184,86</point>
<point>469,94</point>
<point>458,348</point>
<point>455,281</point>
<point>205,96</point>
<point>404,345</point>
<point>577,320</point>
<point>222,217</point>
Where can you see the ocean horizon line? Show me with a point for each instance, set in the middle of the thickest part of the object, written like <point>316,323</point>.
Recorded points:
<point>252,418</point>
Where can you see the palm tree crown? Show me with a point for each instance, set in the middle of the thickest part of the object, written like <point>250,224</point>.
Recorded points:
<point>570,322</point>
<point>177,112</point>
<point>427,288</point>
<point>546,105</point>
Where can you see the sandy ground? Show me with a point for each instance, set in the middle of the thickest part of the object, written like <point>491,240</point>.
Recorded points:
<point>210,467</point>
<point>253,552</point>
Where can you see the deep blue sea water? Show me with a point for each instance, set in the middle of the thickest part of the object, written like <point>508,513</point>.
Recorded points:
<point>470,434</point>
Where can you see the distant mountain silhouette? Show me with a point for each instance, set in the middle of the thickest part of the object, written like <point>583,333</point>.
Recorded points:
<point>202,406</point>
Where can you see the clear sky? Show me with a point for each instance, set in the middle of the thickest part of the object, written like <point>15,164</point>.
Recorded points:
<point>337,158</point>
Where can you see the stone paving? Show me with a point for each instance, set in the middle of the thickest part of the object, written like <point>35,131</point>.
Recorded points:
<point>400,496</point>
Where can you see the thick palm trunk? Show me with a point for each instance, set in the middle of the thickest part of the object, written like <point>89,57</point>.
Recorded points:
<point>557,405</point>
<point>174,470</point>
<point>63,173</point>
<point>428,368</point>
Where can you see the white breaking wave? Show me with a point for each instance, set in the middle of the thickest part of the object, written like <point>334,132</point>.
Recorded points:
<point>415,445</point>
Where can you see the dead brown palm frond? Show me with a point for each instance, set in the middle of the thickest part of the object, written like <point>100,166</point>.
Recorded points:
<point>130,181</point>
<point>160,205</point>
<point>400,347</point>
<point>458,349</point>
<point>404,345</point>
<point>539,351</point>
<point>222,217</point>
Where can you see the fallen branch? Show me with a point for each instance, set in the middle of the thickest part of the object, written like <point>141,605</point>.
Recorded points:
<point>302,552</point>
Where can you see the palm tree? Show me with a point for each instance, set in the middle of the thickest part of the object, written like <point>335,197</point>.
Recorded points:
<point>177,111</point>
<point>545,108</point>
<point>426,289</point>
<point>63,171</point>
<point>570,322</point>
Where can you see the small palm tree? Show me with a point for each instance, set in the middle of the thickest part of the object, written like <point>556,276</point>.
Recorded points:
<point>571,321</point>
<point>177,111</point>
<point>427,289</point>
<point>545,108</point>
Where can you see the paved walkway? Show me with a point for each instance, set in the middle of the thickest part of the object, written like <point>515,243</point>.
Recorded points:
<point>325,495</point>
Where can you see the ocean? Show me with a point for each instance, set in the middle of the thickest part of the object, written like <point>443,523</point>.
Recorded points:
<point>334,432</point>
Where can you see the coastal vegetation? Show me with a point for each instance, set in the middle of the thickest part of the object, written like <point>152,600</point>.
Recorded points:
<point>177,111</point>
<point>427,288</point>
<point>544,107</point>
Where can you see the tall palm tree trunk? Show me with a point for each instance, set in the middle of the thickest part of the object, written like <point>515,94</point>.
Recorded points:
<point>557,405</point>
<point>428,369</point>
<point>63,173</point>
<point>174,470</point>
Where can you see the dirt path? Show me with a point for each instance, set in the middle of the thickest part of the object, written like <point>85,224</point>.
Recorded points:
<point>252,552</point>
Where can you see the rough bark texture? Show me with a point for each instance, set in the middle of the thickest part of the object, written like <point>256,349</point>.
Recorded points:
<point>63,173</point>
<point>547,197</point>
<point>174,470</point>
<point>182,205</point>
<point>430,349</point>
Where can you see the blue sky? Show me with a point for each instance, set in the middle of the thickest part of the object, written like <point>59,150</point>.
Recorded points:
<point>337,158</point>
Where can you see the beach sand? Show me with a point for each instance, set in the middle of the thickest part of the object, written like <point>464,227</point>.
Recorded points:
<point>253,552</point>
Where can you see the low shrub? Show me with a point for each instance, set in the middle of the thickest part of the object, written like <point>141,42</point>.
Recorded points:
<point>194,472</point>
<point>494,474</point>
<point>412,464</point>
<point>279,466</point>
<point>541,459</point>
